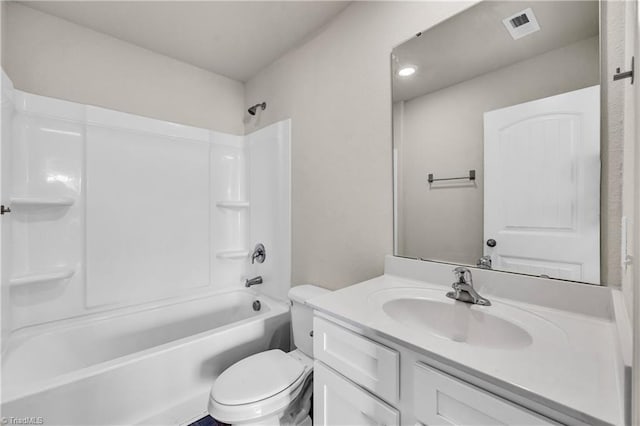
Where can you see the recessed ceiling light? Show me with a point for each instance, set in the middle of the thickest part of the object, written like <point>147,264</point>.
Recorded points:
<point>407,71</point>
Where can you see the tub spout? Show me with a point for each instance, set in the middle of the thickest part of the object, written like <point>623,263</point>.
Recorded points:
<point>253,281</point>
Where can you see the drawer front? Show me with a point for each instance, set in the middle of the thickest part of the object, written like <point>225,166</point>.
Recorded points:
<point>440,399</point>
<point>336,401</point>
<point>369,364</point>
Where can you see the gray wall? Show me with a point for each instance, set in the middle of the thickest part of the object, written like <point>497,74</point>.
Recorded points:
<point>442,133</point>
<point>612,155</point>
<point>337,90</point>
<point>3,30</point>
<point>53,57</point>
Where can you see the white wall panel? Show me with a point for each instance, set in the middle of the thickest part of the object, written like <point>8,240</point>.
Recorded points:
<point>229,209</point>
<point>7,110</point>
<point>147,214</point>
<point>270,194</point>
<point>123,210</point>
<point>47,147</point>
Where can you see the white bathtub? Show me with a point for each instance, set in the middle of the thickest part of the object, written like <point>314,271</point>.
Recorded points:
<point>136,366</point>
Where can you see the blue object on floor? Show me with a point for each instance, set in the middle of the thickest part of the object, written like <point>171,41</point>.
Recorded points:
<point>207,421</point>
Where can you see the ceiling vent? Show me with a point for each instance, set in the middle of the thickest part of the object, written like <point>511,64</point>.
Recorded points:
<point>521,24</point>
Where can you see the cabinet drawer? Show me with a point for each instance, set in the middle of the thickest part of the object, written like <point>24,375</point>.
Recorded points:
<point>440,399</point>
<point>370,364</point>
<point>336,401</point>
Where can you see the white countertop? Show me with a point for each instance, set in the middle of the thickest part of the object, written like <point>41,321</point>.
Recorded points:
<point>570,366</point>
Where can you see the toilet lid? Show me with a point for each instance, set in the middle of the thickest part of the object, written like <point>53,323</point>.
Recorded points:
<point>256,378</point>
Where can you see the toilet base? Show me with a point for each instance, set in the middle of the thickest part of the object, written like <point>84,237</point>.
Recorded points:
<point>292,416</point>
<point>267,421</point>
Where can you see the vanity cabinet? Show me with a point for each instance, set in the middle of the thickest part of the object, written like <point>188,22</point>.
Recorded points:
<point>440,399</point>
<point>358,380</point>
<point>337,401</point>
<point>370,364</point>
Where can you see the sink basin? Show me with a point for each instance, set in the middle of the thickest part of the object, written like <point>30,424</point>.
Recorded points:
<point>459,322</point>
<point>426,313</point>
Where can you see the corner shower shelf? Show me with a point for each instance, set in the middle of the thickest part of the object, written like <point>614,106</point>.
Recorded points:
<point>232,254</point>
<point>41,201</point>
<point>232,204</point>
<point>40,277</point>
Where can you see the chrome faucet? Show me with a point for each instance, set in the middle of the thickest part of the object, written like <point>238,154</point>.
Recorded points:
<point>253,281</point>
<point>463,288</point>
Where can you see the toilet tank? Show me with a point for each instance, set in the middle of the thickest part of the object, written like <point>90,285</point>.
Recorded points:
<point>302,316</point>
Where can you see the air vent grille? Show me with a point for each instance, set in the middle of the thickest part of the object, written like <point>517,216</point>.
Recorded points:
<point>521,24</point>
<point>519,20</point>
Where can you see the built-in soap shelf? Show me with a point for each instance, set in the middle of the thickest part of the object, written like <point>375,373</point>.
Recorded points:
<point>36,202</point>
<point>57,274</point>
<point>228,204</point>
<point>232,254</point>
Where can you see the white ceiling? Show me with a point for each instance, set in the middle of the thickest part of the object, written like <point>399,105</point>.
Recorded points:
<point>234,39</point>
<point>476,42</point>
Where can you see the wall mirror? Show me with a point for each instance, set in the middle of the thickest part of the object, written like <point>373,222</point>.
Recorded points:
<point>497,143</point>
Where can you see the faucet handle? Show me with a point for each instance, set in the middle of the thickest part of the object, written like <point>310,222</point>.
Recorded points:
<point>463,275</point>
<point>259,254</point>
<point>460,271</point>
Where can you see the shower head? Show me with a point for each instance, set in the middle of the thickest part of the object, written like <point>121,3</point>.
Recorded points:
<point>254,108</point>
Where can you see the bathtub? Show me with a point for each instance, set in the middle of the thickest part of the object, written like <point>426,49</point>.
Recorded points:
<point>151,365</point>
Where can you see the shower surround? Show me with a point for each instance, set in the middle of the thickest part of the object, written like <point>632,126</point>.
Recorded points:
<point>116,216</point>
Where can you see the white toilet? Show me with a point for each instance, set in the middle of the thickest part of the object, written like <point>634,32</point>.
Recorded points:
<point>271,387</point>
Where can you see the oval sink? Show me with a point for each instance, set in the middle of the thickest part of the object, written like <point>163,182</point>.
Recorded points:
<point>459,322</point>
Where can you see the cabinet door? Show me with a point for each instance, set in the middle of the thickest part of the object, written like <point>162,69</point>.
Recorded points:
<point>370,364</point>
<point>336,401</point>
<point>440,399</point>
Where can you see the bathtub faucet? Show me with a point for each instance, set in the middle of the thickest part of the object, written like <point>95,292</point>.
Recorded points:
<point>253,281</point>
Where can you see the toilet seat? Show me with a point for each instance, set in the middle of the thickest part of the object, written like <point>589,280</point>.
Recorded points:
<point>259,386</point>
